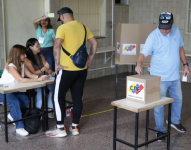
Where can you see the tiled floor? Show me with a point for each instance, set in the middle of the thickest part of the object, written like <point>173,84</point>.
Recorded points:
<point>96,131</point>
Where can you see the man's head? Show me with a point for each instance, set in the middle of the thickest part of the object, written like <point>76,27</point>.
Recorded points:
<point>165,22</point>
<point>65,14</point>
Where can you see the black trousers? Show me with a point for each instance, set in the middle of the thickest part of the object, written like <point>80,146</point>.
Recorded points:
<point>65,80</point>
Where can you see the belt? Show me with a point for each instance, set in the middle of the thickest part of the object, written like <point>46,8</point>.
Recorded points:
<point>46,48</point>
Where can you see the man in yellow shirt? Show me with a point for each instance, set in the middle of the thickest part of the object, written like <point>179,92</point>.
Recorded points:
<point>70,37</point>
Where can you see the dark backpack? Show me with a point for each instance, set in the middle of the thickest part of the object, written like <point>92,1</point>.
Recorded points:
<point>31,124</point>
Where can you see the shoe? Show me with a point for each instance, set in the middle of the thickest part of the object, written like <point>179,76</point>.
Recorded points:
<point>74,130</point>
<point>1,103</point>
<point>158,134</point>
<point>51,114</point>
<point>57,132</point>
<point>22,132</point>
<point>177,127</point>
<point>10,118</point>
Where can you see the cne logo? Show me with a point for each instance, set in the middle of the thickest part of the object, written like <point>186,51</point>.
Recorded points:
<point>129,48</point>
<point>135,88</point>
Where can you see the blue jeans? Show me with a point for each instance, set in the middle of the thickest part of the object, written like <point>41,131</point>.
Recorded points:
<point>48,54</point>
<point>174,89</point>
<point>16,101</point>
<point>38,99</point>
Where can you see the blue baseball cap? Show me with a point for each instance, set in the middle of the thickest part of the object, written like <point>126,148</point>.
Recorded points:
<point>63,11</point>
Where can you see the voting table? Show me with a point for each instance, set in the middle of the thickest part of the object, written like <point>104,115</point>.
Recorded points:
<point>137,108</point>
<point>16,87</point>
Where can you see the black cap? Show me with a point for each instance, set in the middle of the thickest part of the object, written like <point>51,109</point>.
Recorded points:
<point>165,20</point>
<point>63,11</point>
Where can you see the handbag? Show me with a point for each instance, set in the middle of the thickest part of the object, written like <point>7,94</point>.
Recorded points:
<point>31,124</point>
<point>80,57</point>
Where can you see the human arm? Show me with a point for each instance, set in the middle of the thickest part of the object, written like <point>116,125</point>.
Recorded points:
<point>36,21</point>
<point>57,47</point>
<point>48,70</point>
<point>53,39</point>
<point>139,68</point>
<point>183,58</point>
<point>29,66</point>
<point>13,71</point>
<point>146,51</point>
<point>93,50</point>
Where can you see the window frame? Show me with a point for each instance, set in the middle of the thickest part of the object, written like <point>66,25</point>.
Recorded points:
<point>187,20</point>
<point>102,18</point>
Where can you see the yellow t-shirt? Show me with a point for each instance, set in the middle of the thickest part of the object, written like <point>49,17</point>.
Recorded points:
<point>73,34</point>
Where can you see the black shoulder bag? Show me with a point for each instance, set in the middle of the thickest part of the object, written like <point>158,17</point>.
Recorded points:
<point>80,57</point>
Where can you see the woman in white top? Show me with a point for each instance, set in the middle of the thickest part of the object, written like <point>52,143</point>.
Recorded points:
<point>14,72</point>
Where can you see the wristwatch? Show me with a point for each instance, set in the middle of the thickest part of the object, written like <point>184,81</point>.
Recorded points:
<point>185,64</point>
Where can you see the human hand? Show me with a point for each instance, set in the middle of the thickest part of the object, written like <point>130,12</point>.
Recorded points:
<point>89,62</point>
<point>139,69</point>
<point>186,71</point>
<point>46,65</point>
<point>44,17</point>
<point>58,68</point>
<point>52,73</point>
<point>43,78</point>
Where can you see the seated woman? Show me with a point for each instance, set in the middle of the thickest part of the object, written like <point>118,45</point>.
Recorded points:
<point>36,63</point>
<point>14,72</point>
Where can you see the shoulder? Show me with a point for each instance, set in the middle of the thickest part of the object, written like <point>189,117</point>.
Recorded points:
<point>39,28</point>
<point>175,29</point>
<point>12,65</point>
<point>62,27</point>
<point>51,30</point>
<point>27,61</point>
<point>87,29</point>
<point>42,57</point>
<point>153,34</point>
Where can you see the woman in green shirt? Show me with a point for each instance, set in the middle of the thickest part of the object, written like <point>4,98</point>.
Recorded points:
<point>45,35</point>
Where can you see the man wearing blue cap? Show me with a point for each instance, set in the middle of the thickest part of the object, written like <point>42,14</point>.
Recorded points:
<point>71,63</point>
<point>165,45</point>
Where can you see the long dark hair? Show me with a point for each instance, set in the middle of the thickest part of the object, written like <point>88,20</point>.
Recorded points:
<point>49,26</point>
<point>14,56</point>
<point>30,55</point>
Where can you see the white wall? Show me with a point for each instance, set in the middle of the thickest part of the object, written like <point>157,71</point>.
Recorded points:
<point>19,16</point>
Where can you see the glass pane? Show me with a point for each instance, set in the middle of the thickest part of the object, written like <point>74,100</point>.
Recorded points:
<point>189,22</point>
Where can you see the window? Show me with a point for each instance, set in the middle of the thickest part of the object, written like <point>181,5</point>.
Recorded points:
<point>189,18</point>
<point>88,12</point>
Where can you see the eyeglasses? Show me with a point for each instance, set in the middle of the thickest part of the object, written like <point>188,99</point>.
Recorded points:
<point>165,16</point>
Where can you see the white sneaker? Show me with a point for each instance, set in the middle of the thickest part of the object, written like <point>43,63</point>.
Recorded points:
<point>57,132</point>
<point>22,132</point>
<point>10,118</point>
<point>74,130</point>
<point>50,115</point>
<point>1,103</point>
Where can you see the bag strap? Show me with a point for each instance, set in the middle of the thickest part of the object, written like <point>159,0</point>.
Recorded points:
<point>84,43</point>
<point>66,52</point>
